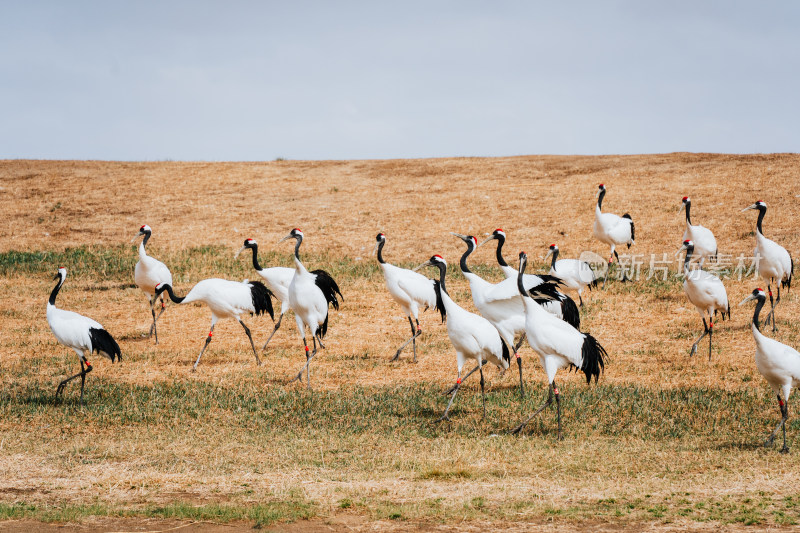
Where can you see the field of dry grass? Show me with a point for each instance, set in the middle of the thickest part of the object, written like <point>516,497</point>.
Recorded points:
<point>663,440</point>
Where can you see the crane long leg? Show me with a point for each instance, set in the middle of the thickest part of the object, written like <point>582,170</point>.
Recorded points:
<point>81,374</point>
<point>153,330</point>
<point>710,335</point>
<point>558,410</point>
<point>309,357</point>
<point>415,332</point>
<point>624,270</point>
<point>208,340</point>
<point>453,388</point>
<point>771,315</point>
<point>606,276</point>
<point>483,393</point>
<point>247,330</point>
<point>705,332</point>
<point>539,410</point>
<point>521,386</point>
<point>784,409</point>
<point>277,325</point>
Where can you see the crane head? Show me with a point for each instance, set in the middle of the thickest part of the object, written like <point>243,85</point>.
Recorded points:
<point>248,243</point>
<point>600,189</point>
<point>296,233</point>
<point>144,230</point>
<point>435,260</point>
<point>379,238</point>
<point>757,294</point>
<point>684,202</point>
<point>759,205</point>
<point>61,274</point>
<point>498,234</point>
<point>523,261</point>
<point>551,250</point>
<point>469,239</point>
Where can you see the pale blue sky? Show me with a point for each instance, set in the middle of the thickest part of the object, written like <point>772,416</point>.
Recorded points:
<point>193,80</point>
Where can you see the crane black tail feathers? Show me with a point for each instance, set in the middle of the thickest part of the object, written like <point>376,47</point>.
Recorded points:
<point>570,312</point>
<point>547,278</point>
<point>506,353</point>
<point>545,292</point>
<point>787,283</point>
<point>439,302</point>
<point>633,229</point>
<point>328,287</point>
<point>594,357</point>
<point>261,298</point>
<point>104,344</point>
<point>595,279</point>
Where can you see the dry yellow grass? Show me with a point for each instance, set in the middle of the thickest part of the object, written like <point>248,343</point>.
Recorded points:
<point>341,206</point>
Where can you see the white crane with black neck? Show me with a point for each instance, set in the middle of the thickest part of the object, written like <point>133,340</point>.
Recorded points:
<point>411,290</point>
<point>574,273</point>
<point>706,292</point>
<point>558,344</point>
<point>148,273</point>
<point>309,296</point>
<point>705,244</point>
<point>613,230</point>
<point>226,299</point>
<point>778,363</point>
<point>472,336</point>
<point>80,333</point>
<point>277,279</point>
<point>774,263</point>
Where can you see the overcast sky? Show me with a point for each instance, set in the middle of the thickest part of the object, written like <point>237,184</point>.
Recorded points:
<point>192,80</point>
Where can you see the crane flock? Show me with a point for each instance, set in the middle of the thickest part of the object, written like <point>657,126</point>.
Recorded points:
<point>522,307</point>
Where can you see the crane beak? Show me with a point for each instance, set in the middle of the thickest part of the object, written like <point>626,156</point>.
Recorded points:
<point>548,254</point>
<point>462,237</point>
<point>242,249</point>
<point>137,236</point>
<point>375,248</point>
<point>285,238</point>
<point>491,238</point>
<point>57,276</point>
<point>751,297</point>
<point>683,206</point>
<point>426,263</point>
<point>748,207</point>
<point>682,248</point>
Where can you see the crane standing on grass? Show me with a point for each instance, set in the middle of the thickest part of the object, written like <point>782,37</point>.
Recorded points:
<point>411,290</point>
<point>277,280</point>
<point>309,296</point>
<point>705,245</point>
<point>80,333</point>
<point>574,273</point>
<point>613,230</point>
<point>472,336</point>
<point>148,273</point>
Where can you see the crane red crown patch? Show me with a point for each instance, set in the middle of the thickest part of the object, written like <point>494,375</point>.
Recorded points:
<point>685,198</point>
<point>601,185</point>
<point>499,229</point>
<point>140,229</point>
<point>552,246</point>
<point>439,256</point>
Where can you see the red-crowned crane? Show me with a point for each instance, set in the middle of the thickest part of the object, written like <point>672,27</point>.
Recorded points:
<point>705,245</point>
<point>563,307</point>
<point>309,296</point>
<point>226,299</point>
<point>411,290</point>
<point>706,292</point>
<point>277,279</point>
<point>80,333</point>
<point>774,263</point>
<point>574,273</point>
<point>778,363</point>
<point>472,336</point>
<point>558,344</point>
<point>613,230</point>
<point>148,273</point>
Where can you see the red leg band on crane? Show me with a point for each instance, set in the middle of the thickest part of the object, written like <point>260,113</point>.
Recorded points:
<point>770,293</point>
<point>458,381</point>
<point>87,363</point>
<point>306,348</point>
<point>555,390</point>
<point>780,402</point>
<point>210,333</point>
<point>516,354</point>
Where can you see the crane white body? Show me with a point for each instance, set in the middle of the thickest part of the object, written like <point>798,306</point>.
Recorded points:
<point>612,230</point>
<point>705,244</point>
<point>148,273</point>
<point>778,363</point>
<point>80,333</point>
<point>411,290</point>
<point>573,273</point>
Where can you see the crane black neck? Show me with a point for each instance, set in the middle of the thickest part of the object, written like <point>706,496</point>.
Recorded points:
<point>520,284</point>
<point>689,252</point>
<point>297,247</point>
<point>147,235</point>
<point>555,255</point>
<point>380,252</point>
<point>168,289</point>
<point>52,300</point>
<point>761,212</point>
<point>600,199</point>
<point>463,263</point>
<point>442,275</point>
<point>688,216</point>
<point>501,240</point>
<point>759,305</point>
<point>254,247</point>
